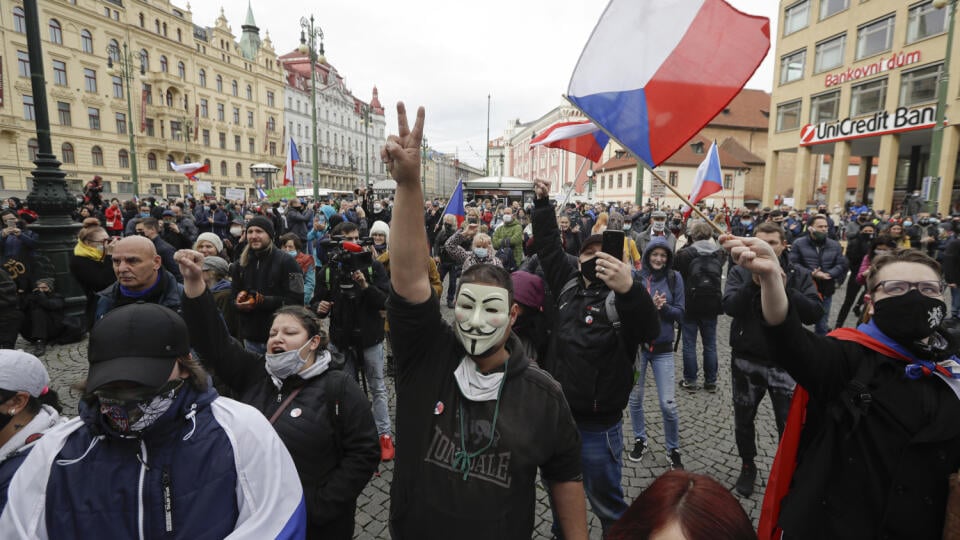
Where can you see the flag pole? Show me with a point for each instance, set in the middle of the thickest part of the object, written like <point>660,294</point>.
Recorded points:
<point>647,167</point>
<point>573,184</point>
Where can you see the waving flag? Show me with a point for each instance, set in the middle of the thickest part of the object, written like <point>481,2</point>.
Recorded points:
<point>709,176</point>
<point>583,138</point>
<point>455,204</point>
<point>261,194</point>
<point>687,60</point>
<point>190,170</point>
<point>293,157</point>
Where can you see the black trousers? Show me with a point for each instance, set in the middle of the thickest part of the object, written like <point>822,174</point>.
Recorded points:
<point>750,382</point>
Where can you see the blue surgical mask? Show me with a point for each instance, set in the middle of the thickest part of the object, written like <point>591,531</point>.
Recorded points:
<point>144,214</point>
<point>285,364</point>
<point>907,223</point>
<point>481,253</point>
<point>292,253</point>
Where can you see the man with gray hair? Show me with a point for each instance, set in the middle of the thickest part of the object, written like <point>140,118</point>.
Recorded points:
<point>701,265</point>
<point>658,227</point>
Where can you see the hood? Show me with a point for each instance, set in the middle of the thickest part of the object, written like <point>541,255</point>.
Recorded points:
<point>705,247</point>
<point>657,242</point>
<point>327,210</point>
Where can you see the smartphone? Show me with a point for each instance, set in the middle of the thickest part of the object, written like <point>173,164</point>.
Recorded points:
<point>613,243</point>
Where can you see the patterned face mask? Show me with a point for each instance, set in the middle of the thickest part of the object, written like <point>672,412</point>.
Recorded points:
<point>128,414</point>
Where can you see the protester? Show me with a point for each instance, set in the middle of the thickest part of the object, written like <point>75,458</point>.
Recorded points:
<point>140,278</point>
<point>481,251</point>
<point>823,257</point>
<point>459,471</point>
<point>28,408</point>
<point>291,245</point>
<point>148,426</point>
<point>880,437</point>
<point>91,264</point>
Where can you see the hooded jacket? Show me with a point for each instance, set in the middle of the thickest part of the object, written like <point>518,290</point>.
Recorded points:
<point>207,468</point>
<point>665,281</point>
<point>15,450</point>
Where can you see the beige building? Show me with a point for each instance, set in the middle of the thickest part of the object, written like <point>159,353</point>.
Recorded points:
<point>203,96</point>
<point>858,79</point>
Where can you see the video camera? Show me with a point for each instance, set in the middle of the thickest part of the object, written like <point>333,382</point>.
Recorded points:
<point>348,256</point>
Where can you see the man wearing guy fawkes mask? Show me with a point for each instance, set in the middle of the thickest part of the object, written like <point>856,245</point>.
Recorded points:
<point>478,419</point>
<point>592,355</point>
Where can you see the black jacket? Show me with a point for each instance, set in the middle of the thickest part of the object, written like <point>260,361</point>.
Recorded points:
<point>951,260</point>
<point>333,468</point>
<point>886,475</point>
<point>741,300</point>
<point>534,431</point>
<point>166,251</point>
<point>356,317</point>
<point>591,360</point>
<point>827,256</point>
<point>276,276</point>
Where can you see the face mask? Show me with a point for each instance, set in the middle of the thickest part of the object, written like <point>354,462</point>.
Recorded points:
<point>235,231</point>
<point>907,224</point>
<point>474,385</point>
<point>746,222</point>
<point>866,235</point>
<point>588,269</point>
<point>482,317</point>
<point>658,226</point>
<point>627,225</point>
<point>144,214</point>
<point>285,364</point>
<point>292,253</point>
<point>135,414</point>
<point>481,253</point>
<point>909,317</point>
<point>377,207</point>
<point>818,236</point>
<point>507,218</point>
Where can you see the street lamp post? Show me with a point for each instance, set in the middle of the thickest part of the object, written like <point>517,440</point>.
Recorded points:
<point>309,34</point>
<point>125,70</point>
<point>366,143</point>
<point>423,166</point>
<point>936,139</point>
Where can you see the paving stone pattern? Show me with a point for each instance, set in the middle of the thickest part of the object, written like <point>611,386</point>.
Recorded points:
<point>706,436</point>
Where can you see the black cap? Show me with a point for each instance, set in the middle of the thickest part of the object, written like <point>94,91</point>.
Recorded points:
<point>591,240</point>
<point>138,343</point>
<point>263,223</point>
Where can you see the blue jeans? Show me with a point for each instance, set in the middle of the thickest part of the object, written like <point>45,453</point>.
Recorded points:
<point>452,270</point>
<point>823,325</point>
<point>253,346</point>
<point>373,371</point>
<point>601,456</point>
<point>708,332</point>
<point>662,364</point>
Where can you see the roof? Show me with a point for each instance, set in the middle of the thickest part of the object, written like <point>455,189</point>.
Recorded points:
<point>687,156</point>
<point>738,152</point>
<point>749,109</point>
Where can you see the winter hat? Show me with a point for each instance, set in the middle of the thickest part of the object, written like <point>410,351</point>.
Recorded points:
<point>591,240</point>
<point>615,221</point>
<point>23,372</point>
<point>216,264</point>
<point>381,227</point>
<point>48,280</point>
<point>263,223</point>
<point>212,238</point>
<point>528,289</point>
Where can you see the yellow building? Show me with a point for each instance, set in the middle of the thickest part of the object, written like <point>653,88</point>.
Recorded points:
<point>197,95</point>
<point>858,78</point>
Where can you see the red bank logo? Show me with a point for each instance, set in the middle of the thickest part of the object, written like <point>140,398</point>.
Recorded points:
<point>807,133</point>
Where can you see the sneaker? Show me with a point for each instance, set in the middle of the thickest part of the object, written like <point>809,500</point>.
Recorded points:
<point>748,475</point>
<point>689,386</point>
<point>386,448</point>
<point>710,387</point>
<point>674,458</point>
<point>639,448</point>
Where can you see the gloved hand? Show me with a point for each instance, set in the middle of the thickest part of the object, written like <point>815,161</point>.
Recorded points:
<point>248,301</point>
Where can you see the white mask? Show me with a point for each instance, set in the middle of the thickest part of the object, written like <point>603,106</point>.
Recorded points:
<point>474,385</point>
<point>285,364</point>
<point>482,316</point>
<point>507,218</point>
<point>658,226</point>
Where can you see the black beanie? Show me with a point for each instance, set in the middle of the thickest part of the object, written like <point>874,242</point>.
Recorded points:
<point>262,222</point>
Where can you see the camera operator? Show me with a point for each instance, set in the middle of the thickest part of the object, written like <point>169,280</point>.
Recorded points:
<point>352,290</point>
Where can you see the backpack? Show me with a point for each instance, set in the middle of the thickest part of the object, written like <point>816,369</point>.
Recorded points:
<point>704,290</point>
<point>505,254</point>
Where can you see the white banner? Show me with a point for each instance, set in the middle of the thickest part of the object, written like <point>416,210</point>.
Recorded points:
<point>204,187</point>
<point>235,194</point>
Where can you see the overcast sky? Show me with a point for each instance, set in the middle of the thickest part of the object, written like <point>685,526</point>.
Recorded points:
<point>448,56</point>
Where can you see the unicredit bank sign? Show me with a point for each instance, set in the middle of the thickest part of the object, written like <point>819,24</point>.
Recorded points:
<point>880,123</point>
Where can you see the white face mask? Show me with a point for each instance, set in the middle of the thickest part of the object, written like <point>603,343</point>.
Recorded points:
<point>658,226</point>
<point>377,207</point>
<point>285,364</point>
<point>507,218</point>
<point>482,317</point>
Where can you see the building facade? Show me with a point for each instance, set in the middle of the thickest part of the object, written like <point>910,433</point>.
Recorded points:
<point>196,95</point>
<point>858,81</point>
<point>350,131</point>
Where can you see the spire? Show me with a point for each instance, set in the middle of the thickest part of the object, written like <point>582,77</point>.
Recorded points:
<point>375,101</point>
<point>250,39</point>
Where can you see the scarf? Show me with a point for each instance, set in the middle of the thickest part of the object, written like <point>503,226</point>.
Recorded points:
<point>87,252</point>
<point>477,386</point>
<point>140,294</point>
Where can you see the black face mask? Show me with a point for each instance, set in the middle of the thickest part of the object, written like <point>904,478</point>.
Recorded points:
<point>588,269</point>
<point>866,235</point>
<point>909,317</point>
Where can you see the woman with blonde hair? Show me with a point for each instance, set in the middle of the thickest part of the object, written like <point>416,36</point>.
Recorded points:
<point>481,247</point>
<point>91,264</point>
<point>601,224</point>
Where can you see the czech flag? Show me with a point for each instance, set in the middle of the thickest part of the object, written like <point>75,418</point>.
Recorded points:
<point>686,59</point>
<point>293,157</point>
<point>455,204</point>
<point>190,170</point>
<point>709,178</point>
<point>261,194</point>
<point>583,138</point>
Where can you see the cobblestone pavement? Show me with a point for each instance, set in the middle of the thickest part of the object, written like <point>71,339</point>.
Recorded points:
<point>706,436</point>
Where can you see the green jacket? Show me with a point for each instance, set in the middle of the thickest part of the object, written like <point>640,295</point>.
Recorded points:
<point>513,231</point>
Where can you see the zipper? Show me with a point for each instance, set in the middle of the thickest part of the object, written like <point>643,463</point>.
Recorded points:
<point>167,500</point>
<point>143,474</point>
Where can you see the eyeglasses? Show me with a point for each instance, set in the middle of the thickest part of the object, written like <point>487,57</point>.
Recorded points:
<point>896,287</point>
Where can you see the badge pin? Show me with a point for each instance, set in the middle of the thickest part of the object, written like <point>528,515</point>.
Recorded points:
<point>438,408</point>
<point>589,319</point>
<point>296,412</point>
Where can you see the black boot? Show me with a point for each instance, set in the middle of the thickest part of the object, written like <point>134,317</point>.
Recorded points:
<point>748,476</point>
<point>40,348</point>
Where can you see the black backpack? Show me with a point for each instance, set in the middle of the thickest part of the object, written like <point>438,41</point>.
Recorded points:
<point>505,254</point>
<point>704,290</point>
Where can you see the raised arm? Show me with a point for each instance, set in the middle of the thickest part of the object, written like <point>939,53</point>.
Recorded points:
<point>409,238</point>
<point>758,257</point>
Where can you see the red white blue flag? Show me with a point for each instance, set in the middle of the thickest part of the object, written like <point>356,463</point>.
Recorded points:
<point>583,138</point>
<point>455,205</point>
<point>293,157</point>
<point>190,170</point>
<point>709,178</point>
<point>679,63</point>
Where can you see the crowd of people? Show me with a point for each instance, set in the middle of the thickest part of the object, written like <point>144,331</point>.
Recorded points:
<point>239,353</point>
